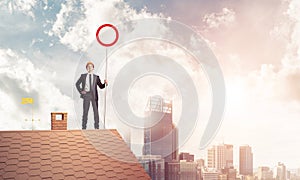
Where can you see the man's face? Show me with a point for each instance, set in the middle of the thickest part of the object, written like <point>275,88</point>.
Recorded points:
<point>90,68</point>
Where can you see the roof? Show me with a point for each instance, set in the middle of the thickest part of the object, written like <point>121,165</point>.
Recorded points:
<point>67,154</point>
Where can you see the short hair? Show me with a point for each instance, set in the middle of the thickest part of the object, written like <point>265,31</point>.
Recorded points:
<point>90,62</point>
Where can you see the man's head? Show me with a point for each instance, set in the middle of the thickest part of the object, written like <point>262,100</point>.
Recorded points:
<point>89,66</point>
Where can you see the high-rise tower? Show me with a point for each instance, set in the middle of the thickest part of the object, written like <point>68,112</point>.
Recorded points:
<point>160,135</point>
<point>220,156</point>
<point>246,160</point>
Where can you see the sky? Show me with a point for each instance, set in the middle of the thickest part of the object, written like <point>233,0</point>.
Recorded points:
<point>257,44</point>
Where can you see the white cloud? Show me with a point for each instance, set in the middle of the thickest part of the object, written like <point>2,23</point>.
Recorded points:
<point>20,78</point>
<point>215,20</point>
<point>81,32</point>
<point>69,14</point>
<point>292,56</point>
<point>265,103</point>
<point>279,82</point>
<point>284,80</point>
<point>293,10</point>
<point>58,27</point>
<point>282,31</point>
<point>23,6</point>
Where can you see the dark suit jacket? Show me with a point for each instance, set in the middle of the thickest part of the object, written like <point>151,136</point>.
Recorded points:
<point>80,84</point>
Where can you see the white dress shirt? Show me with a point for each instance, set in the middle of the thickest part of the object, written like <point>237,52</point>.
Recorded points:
<point>87,82</point>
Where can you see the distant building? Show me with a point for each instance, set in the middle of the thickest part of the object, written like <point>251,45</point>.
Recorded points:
<point>264,173</point>
<point>200,168</point>
<point>172,171</point>
<point>220,156</point>
<point>246,160</point>
<point>186,156</point>
<point>228,155</point>
<point>161,136</point>
<point>211,156</point>
<point>188,170</point>
<point>294,176</point>
<point>280,171</point>
<point>288,174</point>
<point>200,163</point>
<point>210,175</point>
<point>249,177</point>
<point>154,165</point>
<point>230,173</point>
<point>222,177</point>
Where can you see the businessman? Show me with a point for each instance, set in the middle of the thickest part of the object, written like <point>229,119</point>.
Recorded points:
<point>87,87</point>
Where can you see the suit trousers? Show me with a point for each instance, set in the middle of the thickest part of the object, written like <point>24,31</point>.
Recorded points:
<point>87,99</point>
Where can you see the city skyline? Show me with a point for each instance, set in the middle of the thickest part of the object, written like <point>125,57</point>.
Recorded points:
<point>235,155</point>
<point>158,150</point>
<point>255,42</point>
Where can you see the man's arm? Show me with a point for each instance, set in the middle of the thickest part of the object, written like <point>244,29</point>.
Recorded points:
<point>101,86</point>
<point>78,83</point>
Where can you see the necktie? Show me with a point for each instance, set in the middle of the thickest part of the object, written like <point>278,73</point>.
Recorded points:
<point>90,79</point>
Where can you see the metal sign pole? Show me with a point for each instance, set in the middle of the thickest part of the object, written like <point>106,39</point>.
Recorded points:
<point>105,91</point>
<point>106,45</point>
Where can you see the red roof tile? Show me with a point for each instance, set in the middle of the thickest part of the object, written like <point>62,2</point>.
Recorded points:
<point>67,154</point>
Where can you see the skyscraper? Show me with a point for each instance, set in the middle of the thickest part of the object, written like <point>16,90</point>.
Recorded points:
<point>210,175</point>
<point>200,163</point>
<point>154,165</point>
<point>246,160</point>
<point>220,156</point>
<point>188,170</point>
<point>160,134</point>
<point>229,155</point>
<point>211,157</point>
<point>264,173</point>
<point>281,171</point>
<point>186,156</point>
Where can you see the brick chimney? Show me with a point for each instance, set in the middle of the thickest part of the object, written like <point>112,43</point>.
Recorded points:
<point>58,121</point>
